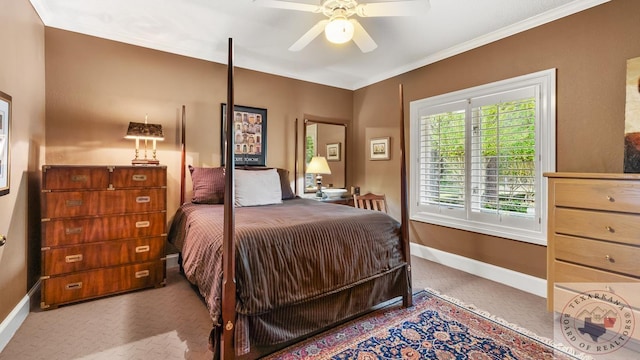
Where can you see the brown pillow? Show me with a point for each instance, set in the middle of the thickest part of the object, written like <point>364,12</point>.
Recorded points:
<point>287,193</point>
<point>208,185</point>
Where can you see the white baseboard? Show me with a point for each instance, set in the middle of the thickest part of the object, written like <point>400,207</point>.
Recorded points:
<point>524,282</point>
<point>16,317</point>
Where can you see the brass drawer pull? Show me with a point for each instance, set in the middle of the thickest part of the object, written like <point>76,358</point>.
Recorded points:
<point>70,231</point>
<point>141,224</point>
<point>73,202</point>
<point>73,258</point>
<point>143,248</point>
<point>138,177</point>
<point>141,274</point>
<point>609,229</point>
<point>611,199</point>
<point>143,199</point>
<point>74,286</point>
<point>609,258</point>
<point>79,178</point>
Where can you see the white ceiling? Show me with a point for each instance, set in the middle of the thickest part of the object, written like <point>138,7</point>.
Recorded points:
<point>262,35</point>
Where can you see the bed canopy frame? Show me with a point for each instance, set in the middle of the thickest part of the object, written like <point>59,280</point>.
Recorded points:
<point>226,346</point>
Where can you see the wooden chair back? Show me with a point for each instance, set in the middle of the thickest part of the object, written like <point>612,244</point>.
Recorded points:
<point>370,201</point>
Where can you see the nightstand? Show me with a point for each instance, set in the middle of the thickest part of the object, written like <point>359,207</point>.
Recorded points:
<point>341,201</point>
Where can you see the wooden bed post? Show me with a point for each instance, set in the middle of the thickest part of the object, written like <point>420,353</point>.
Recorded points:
<point>407,299</point>
<point>228,248</point>
<point>295,160</point>
<point>183,155</point>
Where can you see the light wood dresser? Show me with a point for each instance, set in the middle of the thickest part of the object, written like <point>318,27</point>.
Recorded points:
<point>593,236</point>
<point>103,231</point>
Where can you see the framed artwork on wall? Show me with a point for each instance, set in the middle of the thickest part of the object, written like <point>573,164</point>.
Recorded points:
<point>250,135</point>
<point>379,148</point>
<point>632,118</point>
<point>333,152</point>
<point>5,156</point>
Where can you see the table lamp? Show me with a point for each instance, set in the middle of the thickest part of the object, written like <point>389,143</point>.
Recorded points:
<point>144,131</point>
<point>319,166</point>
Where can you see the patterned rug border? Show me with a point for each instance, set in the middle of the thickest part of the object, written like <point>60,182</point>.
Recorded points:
<point>565,350</point>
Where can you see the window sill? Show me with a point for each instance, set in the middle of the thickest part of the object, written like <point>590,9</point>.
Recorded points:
<point>528,236</point>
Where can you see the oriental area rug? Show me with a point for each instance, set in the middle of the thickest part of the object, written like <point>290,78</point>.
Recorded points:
<point>436,327</point>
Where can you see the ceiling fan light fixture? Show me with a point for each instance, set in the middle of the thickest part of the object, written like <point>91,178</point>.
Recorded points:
<point>339,30</point>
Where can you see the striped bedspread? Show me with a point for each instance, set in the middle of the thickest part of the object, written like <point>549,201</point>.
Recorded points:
<point>287,253</point>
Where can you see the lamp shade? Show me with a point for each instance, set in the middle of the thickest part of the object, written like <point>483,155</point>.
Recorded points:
<point>144,131</point>
<point>318,165</point>
<point>339,30</point>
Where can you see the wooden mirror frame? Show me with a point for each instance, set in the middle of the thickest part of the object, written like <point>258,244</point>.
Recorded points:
<point>343,151</point>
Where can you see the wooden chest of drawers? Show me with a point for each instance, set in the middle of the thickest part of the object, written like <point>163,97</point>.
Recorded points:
<point>593,236</point>
<point>103,231</point>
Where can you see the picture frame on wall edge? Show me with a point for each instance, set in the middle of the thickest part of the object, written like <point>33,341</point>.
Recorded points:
<point>5,141</point>
<point>379,148</point>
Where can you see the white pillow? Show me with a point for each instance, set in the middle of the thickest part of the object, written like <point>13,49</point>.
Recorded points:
<point>257,187</point>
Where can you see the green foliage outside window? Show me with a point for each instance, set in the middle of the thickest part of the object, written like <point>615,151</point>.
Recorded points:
<point>505,136</point>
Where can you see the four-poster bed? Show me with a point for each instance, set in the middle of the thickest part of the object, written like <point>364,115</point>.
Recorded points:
<point>274,274</point>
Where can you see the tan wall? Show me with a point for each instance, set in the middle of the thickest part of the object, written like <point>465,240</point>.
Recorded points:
<point>95,87</point>
<point>589,50</point>
<point>21,77</point>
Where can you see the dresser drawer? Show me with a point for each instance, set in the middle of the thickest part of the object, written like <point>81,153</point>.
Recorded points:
<point>73,231</point>
<point>599,254</point>
<point>138,177</point>
<point>104,202</point>
<point>62,260</point>
<point>72,177</point>
<point>610,195</point>
<point>623,228</point>
<point>90,284</point>
<point>571,273</point>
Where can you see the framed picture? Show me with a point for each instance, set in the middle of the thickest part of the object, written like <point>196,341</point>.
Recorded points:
<point>632,117</point>
<point>333,152</point>
<point>250,135</point>
<point>379,149</point>
<point>5,127</point>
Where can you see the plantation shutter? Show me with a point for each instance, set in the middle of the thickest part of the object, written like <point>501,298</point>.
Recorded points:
<point>442,158</point>
<point>503,149</point>
<point>478,156</point>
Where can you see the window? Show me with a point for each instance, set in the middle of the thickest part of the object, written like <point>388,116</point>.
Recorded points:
<point>479,155</point>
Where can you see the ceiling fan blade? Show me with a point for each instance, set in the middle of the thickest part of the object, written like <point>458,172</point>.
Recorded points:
<point>288,5</point>
<point>362,38</point>
<point>396,8</point>
<point>309,35</point>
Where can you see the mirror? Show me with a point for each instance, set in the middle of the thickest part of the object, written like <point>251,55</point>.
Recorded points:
<point>327,139</point>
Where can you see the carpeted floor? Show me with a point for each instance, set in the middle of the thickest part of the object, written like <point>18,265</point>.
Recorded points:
<point>172,322</point>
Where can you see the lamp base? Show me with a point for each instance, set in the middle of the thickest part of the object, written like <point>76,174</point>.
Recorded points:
<point>319,186</point>
<point>145,162</point>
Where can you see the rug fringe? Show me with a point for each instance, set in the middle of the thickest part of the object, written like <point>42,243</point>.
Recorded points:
<point>558,346</point>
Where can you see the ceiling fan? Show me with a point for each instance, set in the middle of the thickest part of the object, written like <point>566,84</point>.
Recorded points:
<point>339,27</point>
